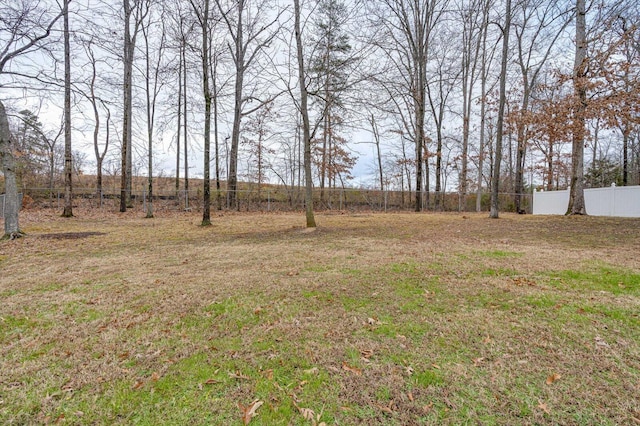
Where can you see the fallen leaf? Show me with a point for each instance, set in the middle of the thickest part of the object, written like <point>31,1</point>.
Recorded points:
<point>307,413</point>
<point>477,361</point>
<point>373,321</point>
<point>601,343</point>
<point>239,376</point>
<point>268,374</point>
<point>312,371</point>
<point>388,409</point>
<point>354,370</point>
<point>427,408</point>
<point>543,407</point>
<point>552,378</point>
<point>138,384</point>
<point>155,376</point>
<point>410,396</point>
<point>249,412</point>
<point>409,370</point>
<point>366,353</point>
<point>211,382</point>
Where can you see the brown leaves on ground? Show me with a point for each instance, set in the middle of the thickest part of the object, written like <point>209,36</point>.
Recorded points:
<point>553,378</point>
<point>354,370</point>
<point>310,415</point>
<point>543,407</point>
<point>250,411</point>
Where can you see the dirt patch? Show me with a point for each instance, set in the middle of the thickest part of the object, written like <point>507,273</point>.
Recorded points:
<point>71,235</point>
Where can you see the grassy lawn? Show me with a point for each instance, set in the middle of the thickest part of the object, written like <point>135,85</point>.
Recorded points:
<point>391,319</point>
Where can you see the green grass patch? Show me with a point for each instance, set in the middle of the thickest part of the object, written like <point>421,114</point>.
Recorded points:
<point>497,254</point>
<point>603,278</point>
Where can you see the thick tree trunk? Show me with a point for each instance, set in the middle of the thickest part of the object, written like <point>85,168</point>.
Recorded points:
<point>11,199</point>
<point>311,222</point>
<point>206,206</point>
<point>576,195</point>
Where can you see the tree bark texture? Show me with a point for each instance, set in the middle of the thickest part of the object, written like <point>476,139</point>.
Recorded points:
<point>11,199</point>
<point>68,158</point>
<point>576,194</point>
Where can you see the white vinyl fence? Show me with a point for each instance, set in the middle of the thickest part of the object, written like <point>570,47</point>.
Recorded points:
<point>622,201</point>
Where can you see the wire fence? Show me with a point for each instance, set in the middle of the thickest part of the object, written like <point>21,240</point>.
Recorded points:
<point>277,199</point>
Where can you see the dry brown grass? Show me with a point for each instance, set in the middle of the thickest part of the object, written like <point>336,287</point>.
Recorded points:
<point>371,319</point>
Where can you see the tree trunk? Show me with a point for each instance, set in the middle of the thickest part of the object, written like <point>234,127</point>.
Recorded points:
<point>237,109</point>
<point>11,199</point>
<point>576,195</point>
<point>186,138</point>
<point>376,138</point>
<point>311,222</point>
<point>68,166</point>
<point>495,207</point>
<point>521,149</point>
<point>206,199</point>
<point>178,141</point>
<point>215,132</point>
<point>126,119</point>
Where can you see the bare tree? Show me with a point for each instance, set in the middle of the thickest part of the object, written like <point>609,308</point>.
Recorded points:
<point>576,194</point>
<point>408,28</point>
<point>438,91</point>
<point>152,93</point>
<point>136,12</point>
<point>474,26</point>
<point>68,157</point>
<point>202,15</point>
<point>24,28</point>
<point>250,35</point>
<point>95,102</point>
<point>495,184</point>
<point>304,112</point>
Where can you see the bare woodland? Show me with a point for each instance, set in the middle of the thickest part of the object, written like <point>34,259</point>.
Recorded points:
<point>474,97</point>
